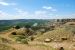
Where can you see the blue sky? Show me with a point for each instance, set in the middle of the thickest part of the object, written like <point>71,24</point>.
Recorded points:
<point>37,9</point>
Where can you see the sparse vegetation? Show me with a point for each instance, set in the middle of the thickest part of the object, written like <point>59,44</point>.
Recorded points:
<point>3,44</point>
<point>3,40</point>
<point>5,47</point>
<point>42,36</point>
<point>24,41</point>
<point>20,38</point>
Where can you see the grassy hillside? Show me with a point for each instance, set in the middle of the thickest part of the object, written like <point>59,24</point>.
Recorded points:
<point>3,44</point>
<point>33,38</point>
<point>66,31</point>
<point>5,47</point>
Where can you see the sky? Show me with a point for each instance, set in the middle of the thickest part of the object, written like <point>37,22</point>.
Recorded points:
<point>37,9</point>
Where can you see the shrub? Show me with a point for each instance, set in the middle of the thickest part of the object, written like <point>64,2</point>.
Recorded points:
<point>32,38</point>
<point>27,26</point>
<point>24,41</point>
<point>20,39</point>
<point>13,33</point>
<point>61,48</point>
<point>17,27</point>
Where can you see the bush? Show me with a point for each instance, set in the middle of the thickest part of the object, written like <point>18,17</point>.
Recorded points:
<point>17,27</point>
<point>20,39</point>
<point>13,33</point>
<point>32,38</point>
<point>27,26</point>
<point>61,48</point>
<point>24,41</point>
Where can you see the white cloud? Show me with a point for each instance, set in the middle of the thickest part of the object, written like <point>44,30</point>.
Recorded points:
<point>4,3</point>
<point>21,12</point>
<point>35,15</point>
<point>39,14</point>
<point>4,15</point>
<point>47,7</point>
<point>70,16</point>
